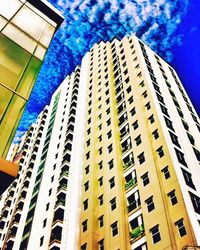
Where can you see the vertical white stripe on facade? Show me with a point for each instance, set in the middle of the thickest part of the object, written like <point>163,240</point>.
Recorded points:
<point>71,220</point>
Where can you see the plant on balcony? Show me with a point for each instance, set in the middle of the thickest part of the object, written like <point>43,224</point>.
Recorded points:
<point>61,201</point>
<point>130,183</point>
<point>137,232</point>
<point>63,186</point>
<point>65,173</point>
<point>127,164</point>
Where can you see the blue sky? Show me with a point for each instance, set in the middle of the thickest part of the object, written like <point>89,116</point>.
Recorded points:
<point>170,27</point>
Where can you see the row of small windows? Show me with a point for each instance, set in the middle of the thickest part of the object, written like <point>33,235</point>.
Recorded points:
<point>185,98</point>
<point>174,138</point>
<point>155,232</point>
<point>190,137</point>
<point>114,227</point>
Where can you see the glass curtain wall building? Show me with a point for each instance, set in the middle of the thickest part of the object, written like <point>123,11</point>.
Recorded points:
<point>112,163</point>
<point>26,30</point>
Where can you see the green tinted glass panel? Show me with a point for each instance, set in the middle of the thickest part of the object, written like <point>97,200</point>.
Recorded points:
<point>10,121</point>
<point>13,60</point>
<point>29,77</point>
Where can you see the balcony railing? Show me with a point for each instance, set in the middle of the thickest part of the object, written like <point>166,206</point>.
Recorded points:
<point>130,183</point>
<point>126,148</point>
<point>64,173</point>
<point>137,232</point>
<point>135,204</point>
<point>62,186</point>
<point>60,202</point>
<point>127,165</point>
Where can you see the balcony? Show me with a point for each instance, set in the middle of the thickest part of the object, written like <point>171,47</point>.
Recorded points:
<point>127,164</point>
<point>58,215</point>
<point>124,133</point>
<point>130,183</point>
<point>126,148</point>
<point>135,204</point>
<point>62,187</point>
<point>137,232</point>
<point>56,235</point>
<point>64,174</point>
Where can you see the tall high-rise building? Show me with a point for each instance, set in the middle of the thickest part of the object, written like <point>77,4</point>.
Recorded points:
<point>112,163</point>
<point>26,29</point>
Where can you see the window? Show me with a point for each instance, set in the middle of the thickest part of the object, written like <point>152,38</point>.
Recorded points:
<point>160,151</point>
<point>85,204</point>
<point>100,150</point>
<point>100,221</point>
<point>130,100</point>
<point>114,228</point>
<point>142,84</point>
<point>195,202</point>
<point>197,153</point>
<point>108,122</point>
<point>188,178</point>
<point>107,92</point>
<point>150,204</point>
<point>47,206</point>
<point>138,140</point>
<point>109,134</point>
<point>112,182</point>
<point>88,142</point>
<point>100,164</point>
<point>151,119</point>
<point>84,246</point>
<point>135,125</point>
<point>89,121</point>
<point>128,89</point>
<point>100,198</point>
<point>144,94</point>
<point>101,244</point>
<point>87,155</point>
<point>100,180</point>
<point>145,179</point>
<point>166,172</point>
<point>160,98</point>
<point>41,240</point>
<point>172,197</point>
<point>108,111</point>
<point>164,110</point>
<point>181,228</point>
<point>84,226</point>
<point>155,234</point>
<point>141,158</point>
<point>148,105</point>
<point>168,123</point>
<point>180,157</point>
<point>113,204</point>
<point>110,148</point>
<point>133,111</point>
<point>155,134</point>
<point>111,164</point>
<point>108,101</point>
<point>50,191</point>
<point>127,79</point>
<point>44,223</point>
<point>86,185</point>
<point>87,169</point>
<point>191,138</point>
<point>100,138</point>
<point>174,139</point>
<point>185,124</point>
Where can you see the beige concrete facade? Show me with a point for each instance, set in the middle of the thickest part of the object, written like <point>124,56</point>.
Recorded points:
<point>141,133</point>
